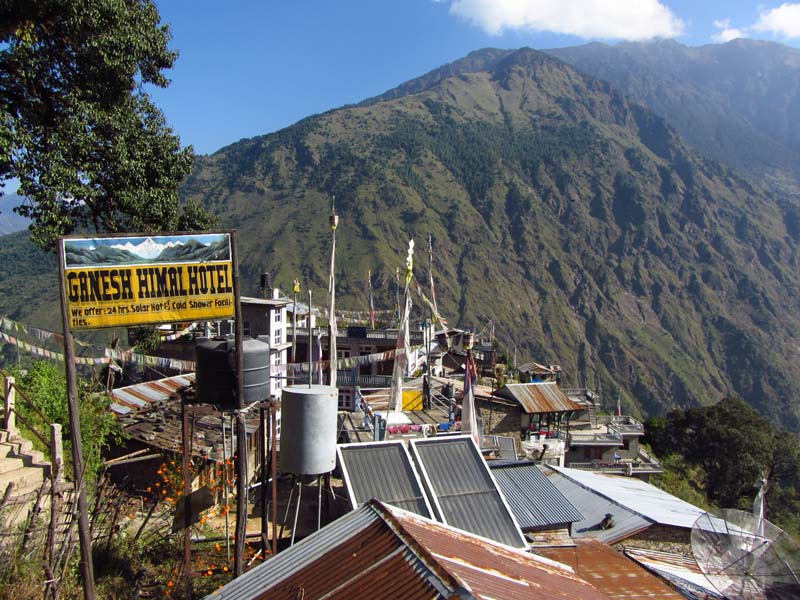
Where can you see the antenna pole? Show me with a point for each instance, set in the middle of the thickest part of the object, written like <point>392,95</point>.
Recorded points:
<point>334,221</point>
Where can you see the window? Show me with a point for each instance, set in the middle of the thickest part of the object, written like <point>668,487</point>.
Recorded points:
<point>345,400</point>
<point>278,316</point>
<point>277,339</point>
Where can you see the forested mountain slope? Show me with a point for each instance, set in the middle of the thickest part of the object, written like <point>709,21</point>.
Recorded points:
<point>579,222</point>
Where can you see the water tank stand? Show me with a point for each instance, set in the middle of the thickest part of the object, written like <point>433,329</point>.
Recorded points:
<point>298,483</point>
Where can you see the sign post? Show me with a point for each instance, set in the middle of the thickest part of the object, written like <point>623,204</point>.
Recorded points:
<point>84,531</point>
<point>140,279</point>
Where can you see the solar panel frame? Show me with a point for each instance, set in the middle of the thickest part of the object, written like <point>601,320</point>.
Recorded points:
<point>399,485</point>
<point>468,498</point>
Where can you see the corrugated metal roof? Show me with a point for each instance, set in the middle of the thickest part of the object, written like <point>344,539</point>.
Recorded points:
<point>681,571</point>
<point>320,564</point>
<point>594,508</point>
<point>609,571</point>
<point>383,470</point>
<point>378,552</point>
<point>463,492</point>
<point>490,570</point>
<point>143,395</point>
<point>543,397</point>
<point>536,368</point>
<point>534,500</point>
<point>150,412</point>
<point>634,494</point>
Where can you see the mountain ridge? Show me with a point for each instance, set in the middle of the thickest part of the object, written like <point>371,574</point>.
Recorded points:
<point>579,222</point>
<point>535,178</point>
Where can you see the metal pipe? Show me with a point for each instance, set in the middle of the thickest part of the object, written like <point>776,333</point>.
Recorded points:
<point>297,509</point>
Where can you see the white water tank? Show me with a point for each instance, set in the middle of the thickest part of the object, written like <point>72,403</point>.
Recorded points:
<point>308,429</point>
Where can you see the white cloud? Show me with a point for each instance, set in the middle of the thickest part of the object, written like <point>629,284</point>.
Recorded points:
<point>727,33</point>
<point>607,19</point>
<point>783,21</point>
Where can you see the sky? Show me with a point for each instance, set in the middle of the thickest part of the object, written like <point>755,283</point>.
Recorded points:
<point>251,67</point>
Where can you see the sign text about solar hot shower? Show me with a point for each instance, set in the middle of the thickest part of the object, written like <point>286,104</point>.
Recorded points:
<point>113,281</point>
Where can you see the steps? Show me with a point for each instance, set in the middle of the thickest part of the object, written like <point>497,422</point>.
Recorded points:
<point>23,466</point>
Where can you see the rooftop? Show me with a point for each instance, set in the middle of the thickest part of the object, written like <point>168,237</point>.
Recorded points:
<point>644,499</point>
<point>534,500</point>
<point>541,397</point>
<point>391,554</point>
<point>610,571</point>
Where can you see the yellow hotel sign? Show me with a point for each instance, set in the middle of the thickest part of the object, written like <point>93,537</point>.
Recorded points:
<point>140,280</point>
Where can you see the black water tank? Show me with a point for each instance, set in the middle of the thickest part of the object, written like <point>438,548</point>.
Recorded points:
<point>215,380</point>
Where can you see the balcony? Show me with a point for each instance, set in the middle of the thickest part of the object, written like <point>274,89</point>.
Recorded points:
<point>346,378</point>
<point>624,425</point>
<point>620,468</point>
<point>384,335</point>
<point>610,438</point>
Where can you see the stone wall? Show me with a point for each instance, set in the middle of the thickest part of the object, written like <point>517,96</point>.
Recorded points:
<point>499,417</point>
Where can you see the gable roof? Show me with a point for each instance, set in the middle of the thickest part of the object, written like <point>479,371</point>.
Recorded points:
<point>540,397</point>
<point>379,552</point>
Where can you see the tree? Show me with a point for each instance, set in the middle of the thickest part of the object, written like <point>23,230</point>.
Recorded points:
<point>45,386</point>
<point>77,127</point>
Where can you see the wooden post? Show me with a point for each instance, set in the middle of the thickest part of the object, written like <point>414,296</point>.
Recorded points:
<point>241,428</point>
<point>10,401</point>
<point>262,447</point>
<point>84,528</point>
<point>187,490</point>
<point>57,446</point>
<point>56,476</point>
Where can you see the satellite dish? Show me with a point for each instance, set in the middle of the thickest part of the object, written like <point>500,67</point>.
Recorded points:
<point>746,557</point>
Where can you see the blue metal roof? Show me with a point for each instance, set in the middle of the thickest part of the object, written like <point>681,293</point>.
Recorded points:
<point>463,491</point>
<point>383,470</point>
<point>534,500</point>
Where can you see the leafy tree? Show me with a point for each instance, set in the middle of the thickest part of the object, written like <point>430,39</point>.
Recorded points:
<point>44,384</point>
<point>77,127</point>
<point>728,446</point>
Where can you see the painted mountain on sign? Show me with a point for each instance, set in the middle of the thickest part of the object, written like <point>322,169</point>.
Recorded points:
<point>146,249</point>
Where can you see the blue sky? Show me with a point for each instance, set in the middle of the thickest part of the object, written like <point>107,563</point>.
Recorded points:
<point>250,67</point>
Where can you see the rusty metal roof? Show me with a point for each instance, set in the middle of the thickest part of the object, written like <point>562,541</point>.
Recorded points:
<point>150,413</point>
<point>536,369</point>
<point>681,571</point>
<point>143,395</point>
<point>491,570</point>
<point>610,571</point>
<point>380,552</point>
<point>542,397</point>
